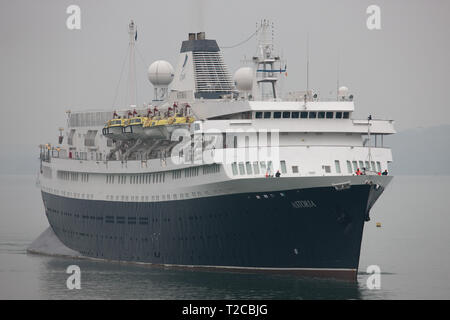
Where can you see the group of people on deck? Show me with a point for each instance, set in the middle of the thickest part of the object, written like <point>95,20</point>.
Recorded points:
<point>358,173</point>
<point>363,172</point>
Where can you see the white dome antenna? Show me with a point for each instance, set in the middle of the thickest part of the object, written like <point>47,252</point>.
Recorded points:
<point>342,93</point>
<point>243,79</point>
<point>160,74</point>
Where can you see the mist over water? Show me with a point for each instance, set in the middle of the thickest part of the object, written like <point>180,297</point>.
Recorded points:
<point>411,248</point>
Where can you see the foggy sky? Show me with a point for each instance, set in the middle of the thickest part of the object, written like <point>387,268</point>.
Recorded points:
<point>399,72</point>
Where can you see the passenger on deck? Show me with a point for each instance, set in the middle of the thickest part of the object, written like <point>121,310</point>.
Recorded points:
<point>358,172</point>
<point>278,174</point>
<point>364,171</point>
<point>385,172</point>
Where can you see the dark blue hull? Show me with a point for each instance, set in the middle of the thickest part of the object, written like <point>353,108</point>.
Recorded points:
<point>316,231</point>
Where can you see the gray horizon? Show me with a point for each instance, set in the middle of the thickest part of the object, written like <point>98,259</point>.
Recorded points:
<point>399,72</point>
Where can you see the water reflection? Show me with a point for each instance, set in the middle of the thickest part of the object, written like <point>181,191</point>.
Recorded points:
<point>104,280</point>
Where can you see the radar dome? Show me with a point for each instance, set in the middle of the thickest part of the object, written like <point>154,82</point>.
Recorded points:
<point>343,91</point>
<point>243,79</point>
<point>160,73</point>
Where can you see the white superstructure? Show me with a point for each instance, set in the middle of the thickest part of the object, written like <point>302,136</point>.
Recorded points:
<point>242,135</point>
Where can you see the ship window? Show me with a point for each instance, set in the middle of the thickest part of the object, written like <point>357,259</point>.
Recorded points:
<point>295,114</point>
<point>346,115</point>
<point>294,169</point>
<point>70,137</point>
<point>373,165</point>
<point>263,166</point>
<point>349,167</point>
<point>277,115</point>
<point>355,165</point>
<point>327,169</point>
<point>338,166</point>
<point>312,115</point>
<point>241,168</point>
<point>338,115</point>
<point>329,115</point>
<point>286,114</point>
<point>255,167</point>
<point>258,115</point>
<point>379,166</point>
<point>267,115</point>
<point>321,115</point>
<point>361,165</point>
<point>283,166</point>
<point>89,140</point>
<point>248,166</point>
<point>303,114</point>
<point>269,166</point>
<point>367,165</point>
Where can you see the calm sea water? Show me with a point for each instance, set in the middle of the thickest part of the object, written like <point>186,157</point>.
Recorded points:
<point>412,248</point>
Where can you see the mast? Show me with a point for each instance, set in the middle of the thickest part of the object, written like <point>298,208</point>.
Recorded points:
<point>368,135</point>
<point>132,65</point>
<point>307,64</point>
<point>265,62</point>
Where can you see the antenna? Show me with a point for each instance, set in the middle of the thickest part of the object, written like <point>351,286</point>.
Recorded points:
<point>132,64</point>
<point>307,63</point>
<point>337,77</point>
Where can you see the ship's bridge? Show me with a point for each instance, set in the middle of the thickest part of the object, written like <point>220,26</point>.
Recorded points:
<point>210,109</point>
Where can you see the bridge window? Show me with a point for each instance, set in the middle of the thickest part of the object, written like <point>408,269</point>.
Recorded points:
<point>286,114</point>
<point>349,167</point>
<point>294,169</point>
<point>321,115</point>
<point>269,166</point>
<point>346,115</point>
<point>303,115</point>
<point>312,115</point>
<point>267,115</point>
<point>329,115</point>
<point>295,114</point>
<point>256,167</point>
<point>277,115</point>
<point>361,165</point>
<point>283,166</point>
<point>263,166</point>
<point>241,168</point>
<point>258,115</point>
<point>339,115</point>
<point>355,165</point>
<point>248,166</point>
<point>338,166</point>
<point>327,169</point>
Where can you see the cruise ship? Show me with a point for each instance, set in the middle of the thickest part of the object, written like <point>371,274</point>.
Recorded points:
<point>219,172</point>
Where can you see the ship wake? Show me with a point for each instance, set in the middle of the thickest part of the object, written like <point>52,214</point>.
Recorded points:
<point>49,244</point>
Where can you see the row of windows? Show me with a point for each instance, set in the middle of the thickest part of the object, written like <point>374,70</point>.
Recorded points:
<point>302,115</point>
<point>159,177</point>
<point>176,174</point>
<point>163,197</point>
<point>256,167</point>
<point>212,168</point>
<point>68,193</point>
<point>355,165</point>
<point>72,176</point>
<point>191,172</point>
